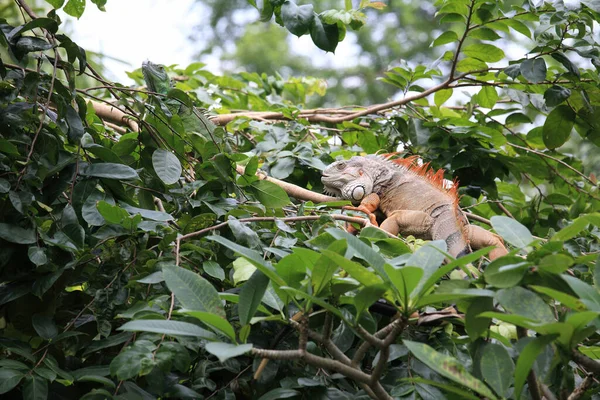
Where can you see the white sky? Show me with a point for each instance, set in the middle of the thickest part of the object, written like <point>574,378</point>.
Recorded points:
<point>136,30</point>
<point>158,30</point>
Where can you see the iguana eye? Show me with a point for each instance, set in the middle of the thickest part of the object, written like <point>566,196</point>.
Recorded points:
<point>341,166</point>
<point>358,193</point>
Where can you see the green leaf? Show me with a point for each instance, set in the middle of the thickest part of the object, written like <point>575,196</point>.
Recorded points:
<point>558,126</point>
<point>75,8</point>
<point>279,393</point>
<point>214,321</point>
<point>297,19</point>
<point>405,280</point>
<point>172,328</point>
<point>555,263</point>
<point>497,368</point>
<point>35,388</point>
<point>359,249</point>
<point>561,58</point>
<point>555,95</point>
<point>111,213</point>
<point>167,166</point>
<point>335,311</point>
<point>251,256</point>
<point>487,97</point>
<point>16,234</point>
<point>325,267</point>
<point>9,379</point>
<point>445,38</point>
<point>251,295</point>
<point>448,367</point>
<point>441,96</point>
<point>474,323</point>
<point>570,231</point>
<point>192,290</point>
<point>324,36</point>
<point>520,301</point>
<point>37,255</point>
<point>534,70</point>
<point>506,272</point>
<point>452,296</point>
<point>367,296</point>
<point>561,297</point>
<point>213,269</point>
<point>526,360</point>
<point>44,326</point>
<point>355,270</point>
<point>110,171</point>
<point>270,194</point>
<point>484,52</point>
<point>512,231</point>
<point>225,351</point>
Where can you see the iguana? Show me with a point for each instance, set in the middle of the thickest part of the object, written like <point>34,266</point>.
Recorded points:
<point>413,198</point>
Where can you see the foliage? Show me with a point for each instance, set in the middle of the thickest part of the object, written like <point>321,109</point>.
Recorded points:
<point>142,257</point>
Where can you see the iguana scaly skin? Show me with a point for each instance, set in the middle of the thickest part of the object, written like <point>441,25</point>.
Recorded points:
<point>413,198</point>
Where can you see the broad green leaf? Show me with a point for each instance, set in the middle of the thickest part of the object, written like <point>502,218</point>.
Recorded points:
<point>172,328</point>
<point>110,171</point>
<point>251,295</point>
<point>448,367</point>
<point>297,19</point>
<point>487,97</point>
<point>279,393</point>
<point>75,8</point>
<point>9,378</point>
<point>441,96</point>
<point>445,38</point>
<point>587,293</point>
<point>534,70</point>
<point>452,296</point>
<point>213,269</point>
<point>44,326</point>
<point>497,368</point>
<point>561,297</point>
<point>192,290</point>
<point>355,270</point>
<point>484,52</point>
<point>462,394</point>
<point>252,256</point>
<point>225,351</point>
<point>325,267</point>
<point>293,267</point>
<point>269,194</point>
<point>555,263</point>
<point>35,388</point>
<point>405,280</point>
<point>475,324</point>
<point>214,321</point>
<point>526,360</point>
<point>16,234</point>
<point>512,231</point>
<point>506,272</point>
<point>324,36</point>
<point>367,296</point>
<point>335,311</point>
<point>37,255</point>
<point>555,95</point>
<point>167,166</point>
<point>558,126</point>
<point>112,214</point>
<point>520,301</point>
<point>570,231</point>
<point>361,250</point>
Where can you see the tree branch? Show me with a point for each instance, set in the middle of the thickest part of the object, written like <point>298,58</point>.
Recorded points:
<point>586,362</point>
<point>582,388</point>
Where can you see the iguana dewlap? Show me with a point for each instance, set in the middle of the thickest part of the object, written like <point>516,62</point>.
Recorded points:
<point>413,198</point>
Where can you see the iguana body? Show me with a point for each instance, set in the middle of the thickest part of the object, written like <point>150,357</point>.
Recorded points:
<point>413,199</point>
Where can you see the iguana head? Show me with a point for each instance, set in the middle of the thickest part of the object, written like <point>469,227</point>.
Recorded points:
<point>357,177</point>
<point>156,77</point>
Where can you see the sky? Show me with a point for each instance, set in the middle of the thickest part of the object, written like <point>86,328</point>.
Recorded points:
<point>136,30</point>
<point>133,31</point>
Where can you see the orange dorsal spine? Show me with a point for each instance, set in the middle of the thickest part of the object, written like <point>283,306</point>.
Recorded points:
<point>436,178</point>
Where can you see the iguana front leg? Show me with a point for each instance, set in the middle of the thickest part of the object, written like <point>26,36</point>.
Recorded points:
<point>409,222</point>
<point>368,205</point>
<point>480,238</point>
